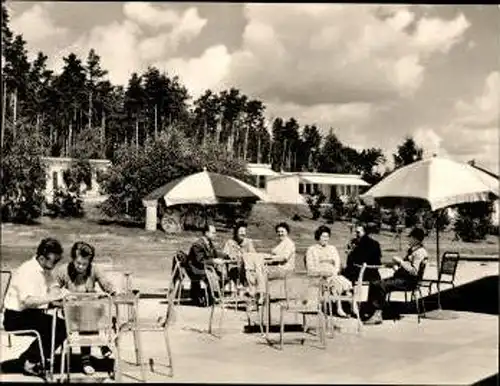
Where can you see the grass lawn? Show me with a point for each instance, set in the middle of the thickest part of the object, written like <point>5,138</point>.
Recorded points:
<point>148,254</point>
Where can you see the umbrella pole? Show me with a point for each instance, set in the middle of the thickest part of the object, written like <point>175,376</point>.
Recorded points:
<point>439,313</point>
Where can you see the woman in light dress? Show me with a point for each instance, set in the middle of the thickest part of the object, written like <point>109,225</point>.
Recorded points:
<point>322,259</point>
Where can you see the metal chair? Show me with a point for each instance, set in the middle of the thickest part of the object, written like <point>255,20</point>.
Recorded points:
<point>447,272</point>
<point>220,299</point>
<point>355,297</point>
<point>5,280</point>
<point>180,275</point>
<point>162,324</point>
<point>301,303</point>
<point>416,291</point>
<point>88,318</point>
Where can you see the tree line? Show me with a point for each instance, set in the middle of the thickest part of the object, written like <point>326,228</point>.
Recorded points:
<point>79,112</point>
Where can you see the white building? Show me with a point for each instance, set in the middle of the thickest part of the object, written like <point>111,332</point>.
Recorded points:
<point>55,167</point>
<point>291,187</point>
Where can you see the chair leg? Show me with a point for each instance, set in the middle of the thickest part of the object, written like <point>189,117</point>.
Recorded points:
<point>415,297</point>
<point>422,301</point>
<point>169,352</point>
<point>210,320</point>
<point>322,328</point>
<point>282,326</point>
<point>117,364</point>
<point>9,340</point>
<point>223,309</point>
<point>63,361</point>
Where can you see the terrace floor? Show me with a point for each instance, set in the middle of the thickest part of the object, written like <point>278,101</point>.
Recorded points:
<point>457,351</point>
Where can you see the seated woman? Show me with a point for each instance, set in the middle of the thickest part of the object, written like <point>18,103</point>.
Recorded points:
<point>322,259</point>
<point>235,248</point>
<point>276,265</point>
<point>80,275</point>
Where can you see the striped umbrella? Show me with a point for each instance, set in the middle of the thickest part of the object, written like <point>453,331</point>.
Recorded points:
<point>205,188</point>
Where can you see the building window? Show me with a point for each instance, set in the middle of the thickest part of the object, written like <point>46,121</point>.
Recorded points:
<point>55,180</point>
<point>308,188</point>
<point>315,188</point>
<point>301,188</point>
<point>262,182</point>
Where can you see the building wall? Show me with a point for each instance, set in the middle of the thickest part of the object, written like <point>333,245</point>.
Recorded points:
<point>285,190</point>
<point>54,169</point>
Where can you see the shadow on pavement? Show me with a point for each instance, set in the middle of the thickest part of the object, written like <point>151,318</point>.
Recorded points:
<point>479,296</point>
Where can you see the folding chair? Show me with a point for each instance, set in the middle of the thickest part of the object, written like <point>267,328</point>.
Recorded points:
<point>5,279</point>
<point>416,291</point>
<point>160,325</point>
<point>180,276</point>
<point>220,299</point>
<point>306,299</point>
<point>447,272</point>
<point>88,318</point>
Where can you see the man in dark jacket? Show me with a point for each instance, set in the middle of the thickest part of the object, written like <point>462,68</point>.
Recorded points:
<point>201,252</point>
<point>363,249</point>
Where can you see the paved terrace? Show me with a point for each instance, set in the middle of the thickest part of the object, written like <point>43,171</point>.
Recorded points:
<point>458,351</point>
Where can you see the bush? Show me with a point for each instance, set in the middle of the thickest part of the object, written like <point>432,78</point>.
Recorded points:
<point>22,176</point>
<point>314,202</point>
<point>474,221</point>
<point>137,172</point>
<point>330,215</point>
<point>66,204</point>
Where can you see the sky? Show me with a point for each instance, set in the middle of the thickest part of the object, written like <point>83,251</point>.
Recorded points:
<point>372,73</point>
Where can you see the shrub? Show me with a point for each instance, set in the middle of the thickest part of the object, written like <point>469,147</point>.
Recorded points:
<point>137,172</point>
<point>330,215</point>
<point>23,176</point>
<point>314,202</point>
<point>66,204</point>
<point>474,221</point>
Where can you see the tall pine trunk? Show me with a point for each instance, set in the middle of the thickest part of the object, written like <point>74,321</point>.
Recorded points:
<point>156,121</point>
<point>90,110</point>
<point>14,114</point>
<point>103,130</point>
<point>4,109</point>
<point>258,147</point>
<point>245,143</point>
<point>137,132</point>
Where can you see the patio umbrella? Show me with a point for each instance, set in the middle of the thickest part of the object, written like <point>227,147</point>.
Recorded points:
<point>440,183</point>
<point>205,188</point>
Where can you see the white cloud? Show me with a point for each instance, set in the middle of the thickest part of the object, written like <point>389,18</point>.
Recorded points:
<point>201,73</point>
<point>37,28</point>
<point>147,14</point>
<point>474,131</point>
<point>185,28</point>
<point>333,53</point>
<point>430,141</point>
<point>124,46</point>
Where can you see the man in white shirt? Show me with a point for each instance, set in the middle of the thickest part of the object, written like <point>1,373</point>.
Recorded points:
<point>404,279</point>
<point>28,295</point>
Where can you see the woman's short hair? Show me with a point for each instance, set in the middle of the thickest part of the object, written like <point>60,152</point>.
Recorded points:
<point>237,226</point>
<point>49,245</point>
<point>83,249</point>
<point>417,233</point>
<point>283,225</point>
<point>320,230</point>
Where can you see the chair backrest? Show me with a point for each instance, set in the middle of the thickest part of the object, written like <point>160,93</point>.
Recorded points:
<point>88,312</point>
<point>5,278</point>
<point>213,283</point>
<point>421,269</point>
<point>179,266</point>
<point>449,264</point>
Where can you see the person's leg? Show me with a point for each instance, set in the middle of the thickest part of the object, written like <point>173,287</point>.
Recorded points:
<point>87,367</point>
<point>377,296</point>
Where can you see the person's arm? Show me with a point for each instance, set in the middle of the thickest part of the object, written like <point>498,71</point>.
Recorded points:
<point>284,251</point>
<point>227,248</point>
<point>413,264</point>
<point>312,262</point>
<point>336,259</point>
<point>377,254</point>
<point>103,281</point>
<point>251,248</point>
<point>29,295</point>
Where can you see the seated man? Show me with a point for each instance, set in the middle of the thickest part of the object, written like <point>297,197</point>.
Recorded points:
<point>363,249</point>
<point>405,277</point>
<point>201,252</point>
<point>28,295</point>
